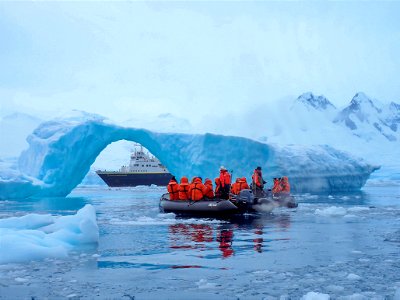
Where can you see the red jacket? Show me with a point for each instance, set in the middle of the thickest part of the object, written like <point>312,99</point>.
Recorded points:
<point>285,185</point>
<point>209,193</point>
<point>277,188</point>
<point>173,190</point>
<point>184,189</point>
<point>225,178</point>
<point>197,190</point>
<point>257,178</point>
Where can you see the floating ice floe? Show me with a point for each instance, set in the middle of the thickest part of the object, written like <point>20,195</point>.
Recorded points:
<point>331,211</point>
<point>338,211</point>
<point>35,237</point>
<point>352,276</point>
<point>315,296</point>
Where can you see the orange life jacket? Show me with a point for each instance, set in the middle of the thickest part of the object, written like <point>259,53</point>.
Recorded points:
<point>235,186</point>
<point>209,193</point>
<point>257,178</point>
<point>285,185</point>
<point>242,185</point>
<point>184,189</point>
<point>225,178</point>
<point>197,190</point>
<point>173,190</point>
<point>277,188</point>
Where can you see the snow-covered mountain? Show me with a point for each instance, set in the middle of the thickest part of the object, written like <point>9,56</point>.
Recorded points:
<point>317,102</point>
<point>365,127</point>
<point>367,118</point>
<point>393,116</point>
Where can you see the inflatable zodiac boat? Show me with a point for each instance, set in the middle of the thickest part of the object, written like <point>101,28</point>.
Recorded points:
<point>245,202</point>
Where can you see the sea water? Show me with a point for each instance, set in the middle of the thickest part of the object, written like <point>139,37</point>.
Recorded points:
<point>345,246</point>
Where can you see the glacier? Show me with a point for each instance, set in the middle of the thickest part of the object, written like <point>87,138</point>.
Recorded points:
<point>62,150</point>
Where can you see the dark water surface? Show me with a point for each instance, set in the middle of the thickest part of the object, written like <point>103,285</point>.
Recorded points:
<point>346,246</point>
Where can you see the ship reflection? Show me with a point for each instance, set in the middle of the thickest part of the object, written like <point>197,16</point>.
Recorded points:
<point>209,237</point>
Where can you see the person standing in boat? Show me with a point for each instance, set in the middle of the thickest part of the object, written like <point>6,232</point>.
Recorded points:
<point>173,189</point>
<point>258,182</point>
<point>225,182</point>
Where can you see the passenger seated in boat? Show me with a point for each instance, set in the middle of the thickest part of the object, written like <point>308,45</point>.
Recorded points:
<point>184,189</point>
<point>285,185</point>
<point>173,189</point>
<point>217,187</point>
<point>277,188</point>
<point>209,193</point>
<point>197,190</point>
<point>234,187</point>
<point>243,185</point>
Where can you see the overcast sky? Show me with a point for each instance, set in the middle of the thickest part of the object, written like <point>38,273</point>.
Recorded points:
<point>193,59</point>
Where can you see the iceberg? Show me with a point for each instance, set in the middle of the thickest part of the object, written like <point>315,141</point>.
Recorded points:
<point>35,236</point>
<point>62,150</point>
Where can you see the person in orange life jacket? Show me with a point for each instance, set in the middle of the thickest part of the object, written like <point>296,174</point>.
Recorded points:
<point>197,190</point>
<point>217,187</point>
<point>173,189</point>
<point>285,185</point>
<point>234,186</point>
<point>184,189</point>
<point>242,185</point>
<point>209,188</point>
<point>277,188</point>
<point>225,179</point>
<point>258,182</point>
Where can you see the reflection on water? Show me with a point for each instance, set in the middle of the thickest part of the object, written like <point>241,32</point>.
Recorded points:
<point>231,238</point>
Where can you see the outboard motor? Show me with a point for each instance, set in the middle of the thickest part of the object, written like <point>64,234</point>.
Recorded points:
<point>245,199</point>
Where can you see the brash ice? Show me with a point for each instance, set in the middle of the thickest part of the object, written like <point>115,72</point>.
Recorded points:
<point>62,150</point>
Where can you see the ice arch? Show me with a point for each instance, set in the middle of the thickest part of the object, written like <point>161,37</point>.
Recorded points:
<point>61,152</point>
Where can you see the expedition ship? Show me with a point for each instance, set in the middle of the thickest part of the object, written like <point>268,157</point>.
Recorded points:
<point>143,169</point>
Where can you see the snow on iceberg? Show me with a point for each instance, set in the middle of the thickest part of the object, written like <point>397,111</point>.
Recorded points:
<point>34,236</point>
<point>62,150</point>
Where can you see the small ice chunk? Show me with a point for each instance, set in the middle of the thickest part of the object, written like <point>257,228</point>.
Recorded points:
<point>356,297</point>
<point>335,288</point>
<point>353,276</point>
<point>19,279</point>
<point>358,209</point>
<point>331,211</point>
<point>204,284</point>
<point>315,296</point>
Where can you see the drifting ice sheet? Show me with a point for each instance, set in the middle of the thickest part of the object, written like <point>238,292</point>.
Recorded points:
<point>34,236</point>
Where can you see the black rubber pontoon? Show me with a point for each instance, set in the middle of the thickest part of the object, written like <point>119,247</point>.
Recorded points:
<point>205,206</point>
